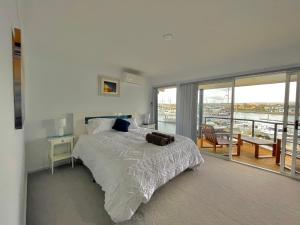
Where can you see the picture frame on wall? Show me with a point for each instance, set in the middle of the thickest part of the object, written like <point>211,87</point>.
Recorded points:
<point>17,78</point>
<point>109,86</point>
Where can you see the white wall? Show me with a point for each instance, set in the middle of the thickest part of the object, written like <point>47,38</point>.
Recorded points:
<point>229,70</point>
<point>65,82</point>
<point>63,90</point>
<point>12,162</point>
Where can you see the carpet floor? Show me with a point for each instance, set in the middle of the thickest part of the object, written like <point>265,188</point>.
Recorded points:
<point>219,193</point>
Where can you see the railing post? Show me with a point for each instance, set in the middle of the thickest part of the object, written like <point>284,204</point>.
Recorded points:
<point>278,151</point>
<point>275,132</point>
<point>253,128</point>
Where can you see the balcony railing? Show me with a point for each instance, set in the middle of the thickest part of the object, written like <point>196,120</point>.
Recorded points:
<point>276,125</point>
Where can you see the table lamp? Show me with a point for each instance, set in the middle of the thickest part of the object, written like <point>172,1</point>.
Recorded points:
<point>61,124</point>
<point>147,118</point>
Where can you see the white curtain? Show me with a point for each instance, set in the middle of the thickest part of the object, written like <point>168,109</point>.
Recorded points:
<point>186,110</point>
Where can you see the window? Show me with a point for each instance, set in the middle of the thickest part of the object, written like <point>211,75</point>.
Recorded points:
<point>166,109</point>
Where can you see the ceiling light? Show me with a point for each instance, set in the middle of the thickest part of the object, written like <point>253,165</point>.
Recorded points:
<point>168,36</point>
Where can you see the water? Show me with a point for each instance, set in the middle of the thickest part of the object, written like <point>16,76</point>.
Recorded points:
<point>263,116</point>
<point>170,127</point>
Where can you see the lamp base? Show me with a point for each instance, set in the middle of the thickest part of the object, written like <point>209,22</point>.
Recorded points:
<point>61,131</point>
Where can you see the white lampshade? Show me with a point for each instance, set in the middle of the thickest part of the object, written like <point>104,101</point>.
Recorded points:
<point>147,118</point>
<point>61,122</point>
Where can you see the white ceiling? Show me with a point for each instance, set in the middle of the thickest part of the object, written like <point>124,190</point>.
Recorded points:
<point>210,36</point>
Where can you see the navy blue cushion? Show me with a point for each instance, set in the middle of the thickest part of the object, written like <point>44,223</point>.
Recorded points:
<point>121,125</point>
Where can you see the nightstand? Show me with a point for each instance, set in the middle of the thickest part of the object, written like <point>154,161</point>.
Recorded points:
<point>54,141</point>
<point>149,126</point>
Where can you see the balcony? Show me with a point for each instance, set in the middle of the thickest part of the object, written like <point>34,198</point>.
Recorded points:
<point>260,130</point>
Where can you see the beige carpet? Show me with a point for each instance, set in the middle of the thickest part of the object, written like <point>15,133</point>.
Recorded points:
<point>220,193</point>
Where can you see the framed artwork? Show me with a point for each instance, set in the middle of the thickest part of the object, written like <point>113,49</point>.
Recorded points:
<point>109,86</point>
<point>17,78</point>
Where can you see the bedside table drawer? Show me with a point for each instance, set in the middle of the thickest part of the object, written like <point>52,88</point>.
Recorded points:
<point>62,140</point>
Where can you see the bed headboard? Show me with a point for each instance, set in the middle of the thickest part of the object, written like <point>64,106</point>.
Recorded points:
<point>86,119</point>
<point>81,119</point>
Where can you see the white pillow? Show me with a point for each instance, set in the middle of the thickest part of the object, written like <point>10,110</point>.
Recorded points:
<point>133,124</point>
<point>97,125</point>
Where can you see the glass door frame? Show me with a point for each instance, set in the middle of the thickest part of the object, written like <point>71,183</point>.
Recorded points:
<point>200,112</point>
<point>296,125</point>
<point>295,141</point>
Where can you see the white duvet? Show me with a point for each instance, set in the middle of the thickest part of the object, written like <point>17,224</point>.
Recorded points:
<point>129,169</point>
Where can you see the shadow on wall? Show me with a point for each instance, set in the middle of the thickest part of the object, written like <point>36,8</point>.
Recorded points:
<point>37,145</point>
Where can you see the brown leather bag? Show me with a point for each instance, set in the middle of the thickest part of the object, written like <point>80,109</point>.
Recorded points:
<point>157,140</point>
<point>171,138</point>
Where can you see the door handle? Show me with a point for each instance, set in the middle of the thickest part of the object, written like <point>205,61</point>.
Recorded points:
<point>296,124</point>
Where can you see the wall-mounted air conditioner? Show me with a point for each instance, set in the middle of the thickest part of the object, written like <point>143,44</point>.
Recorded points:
<point>133,78</point>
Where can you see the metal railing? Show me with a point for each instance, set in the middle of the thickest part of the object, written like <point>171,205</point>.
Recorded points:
<point>276,124</point>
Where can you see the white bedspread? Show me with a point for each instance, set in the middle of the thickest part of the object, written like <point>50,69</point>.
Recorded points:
<point>129,169</point>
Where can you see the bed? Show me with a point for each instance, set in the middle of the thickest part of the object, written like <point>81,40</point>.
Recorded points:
<point>129,169</point>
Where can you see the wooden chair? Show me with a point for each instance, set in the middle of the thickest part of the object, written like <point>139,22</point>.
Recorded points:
<point>218,139</point>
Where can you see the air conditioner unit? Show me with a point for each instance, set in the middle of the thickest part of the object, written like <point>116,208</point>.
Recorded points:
<point>133,78</point>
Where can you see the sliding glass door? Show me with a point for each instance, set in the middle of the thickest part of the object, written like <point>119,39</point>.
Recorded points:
<point>258,117</point>
<point>266,117</point>
<point>166,109</point>
<point>215,107</point>
<point>252,120</point>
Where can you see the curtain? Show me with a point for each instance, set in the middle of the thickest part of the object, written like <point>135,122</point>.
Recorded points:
<point>154,106</point>
<point>186,112</point>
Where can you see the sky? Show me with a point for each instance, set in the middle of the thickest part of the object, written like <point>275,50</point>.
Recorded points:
<point>265,93</point>
<point>168,96</point>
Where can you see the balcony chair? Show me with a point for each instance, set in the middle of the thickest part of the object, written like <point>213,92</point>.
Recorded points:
<point>218,139</point>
